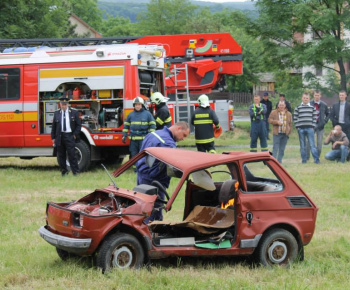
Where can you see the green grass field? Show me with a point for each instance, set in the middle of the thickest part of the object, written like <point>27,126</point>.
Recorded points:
<point>27,261</point>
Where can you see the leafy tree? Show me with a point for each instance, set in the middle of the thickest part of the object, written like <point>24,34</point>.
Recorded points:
<point>32,19</point>
<point>118,26</point>
<point>86,10</point>
<point>281,21</point>
<point>165,17</point>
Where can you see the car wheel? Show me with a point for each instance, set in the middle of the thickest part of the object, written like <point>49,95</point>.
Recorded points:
<point>277,247</point>
<point>120,251</point>
<point>64,255</point>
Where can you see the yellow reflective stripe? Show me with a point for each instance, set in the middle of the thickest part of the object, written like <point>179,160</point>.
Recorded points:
<point>203,141</point>
<point>199,122</point>
<point>201,115</point>
<point>152,123</point>
<point>139,123</point>
<point>125,130</point>
<point>151,130</point>
<point>12,117</point>
<point>168,120</point>
<point>160,139</point>
<point>126,123</point>
<point>212,151</point>
<point>81,72</point>
<point>159,121</point>
<point>137,137</point>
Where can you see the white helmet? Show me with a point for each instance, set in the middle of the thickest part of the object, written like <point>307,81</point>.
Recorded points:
<point>138,100</point>
<point>203,101</point>
<point>157,98</point>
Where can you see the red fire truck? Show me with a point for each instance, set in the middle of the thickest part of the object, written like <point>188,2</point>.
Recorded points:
<point>102,76</point>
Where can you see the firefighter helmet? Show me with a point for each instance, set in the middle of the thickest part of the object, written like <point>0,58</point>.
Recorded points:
<point>138,100</point>
<point>157,98</point>
<point>203,101</point>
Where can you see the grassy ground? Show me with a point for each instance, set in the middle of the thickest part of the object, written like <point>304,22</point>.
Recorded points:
<point>27,261</point>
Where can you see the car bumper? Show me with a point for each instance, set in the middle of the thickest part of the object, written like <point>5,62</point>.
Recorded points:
<point>71,245</point>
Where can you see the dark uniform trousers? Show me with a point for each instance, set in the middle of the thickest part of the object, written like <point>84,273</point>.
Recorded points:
<point>258,130</point>
<point>67,146</point>
<point>206,147</point>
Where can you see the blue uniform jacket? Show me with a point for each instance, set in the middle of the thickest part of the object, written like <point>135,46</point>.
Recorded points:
<point>140,124</point>
<point>146,174</point>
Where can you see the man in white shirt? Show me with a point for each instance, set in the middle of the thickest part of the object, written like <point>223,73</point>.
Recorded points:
<point>65,133</point>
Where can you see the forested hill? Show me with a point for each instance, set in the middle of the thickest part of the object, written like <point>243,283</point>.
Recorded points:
<point>131,8</point>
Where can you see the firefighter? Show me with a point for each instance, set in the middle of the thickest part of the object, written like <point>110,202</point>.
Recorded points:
<point>65,133</point>
<point>162,115</point>
<point>166,137</point>
<point>257,113</point>
<point>140,122</point>
<point>203,119</point>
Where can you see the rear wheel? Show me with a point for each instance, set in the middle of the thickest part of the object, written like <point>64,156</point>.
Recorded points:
<point>277,247</point>
<point>120,251</point>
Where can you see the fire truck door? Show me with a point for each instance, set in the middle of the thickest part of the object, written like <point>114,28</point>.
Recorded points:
<point>11,107</point>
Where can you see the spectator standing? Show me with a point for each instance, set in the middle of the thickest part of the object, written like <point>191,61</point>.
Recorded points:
<point>162,114</point>
<point>268,105</point>
<point>305,121</point>
<point>288,106</point>
<point>322,117</point>
<point>66,127</point>
<point>203,119</point>
<point>340,145</point>
<point>166,137</point>
<point>257,113</point>
<point>281,120</point>
<point>340,114</point>
<point>140,122</point>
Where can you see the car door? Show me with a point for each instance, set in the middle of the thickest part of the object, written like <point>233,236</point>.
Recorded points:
<point>11,107</point>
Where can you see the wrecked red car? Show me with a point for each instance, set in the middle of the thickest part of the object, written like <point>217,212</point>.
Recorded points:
<point>234,204</point>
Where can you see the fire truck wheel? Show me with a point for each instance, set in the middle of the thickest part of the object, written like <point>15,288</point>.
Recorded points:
<point>82,153</point>
<point>120,251</point>
<point>277,247</point>
<point>64,255</point>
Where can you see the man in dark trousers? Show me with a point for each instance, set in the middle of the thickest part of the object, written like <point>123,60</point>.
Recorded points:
<point>268,105</point>
<point>203,119</point>
<point>340,114</point>
<point>166,137</point>
<point>65,133</point>
<point>288,106</point>
<point>162,114</point>
<point>139,122</point>
<point>322,117</point>
<point>257,113</point>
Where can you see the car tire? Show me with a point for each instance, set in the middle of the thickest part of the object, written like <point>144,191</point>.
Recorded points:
<point>64,255</point>
<point>120,251</point>
<point>277,247</point>
<point>82,152</point>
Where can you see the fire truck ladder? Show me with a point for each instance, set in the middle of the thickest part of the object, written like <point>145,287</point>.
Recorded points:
<point>63,42</point>
<point>182,113</point>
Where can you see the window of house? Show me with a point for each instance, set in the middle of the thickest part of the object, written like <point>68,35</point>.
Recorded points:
<point>9,83</point>
<point>318,70</point>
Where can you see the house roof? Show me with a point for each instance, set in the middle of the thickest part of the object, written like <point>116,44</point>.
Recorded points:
<point>97,34</point>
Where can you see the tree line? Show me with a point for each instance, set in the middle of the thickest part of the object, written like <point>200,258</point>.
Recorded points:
<point>269,41</point>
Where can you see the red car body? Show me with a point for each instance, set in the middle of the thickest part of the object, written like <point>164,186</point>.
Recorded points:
<point>270,215</point>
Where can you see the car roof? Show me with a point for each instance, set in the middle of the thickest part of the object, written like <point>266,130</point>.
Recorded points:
<point>187,160</point>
